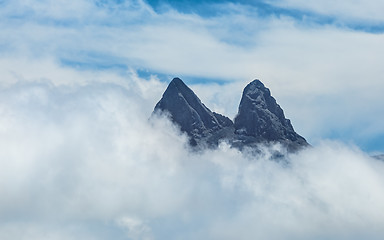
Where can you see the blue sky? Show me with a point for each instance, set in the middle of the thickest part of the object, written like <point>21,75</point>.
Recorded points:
<point>297,48</point>
<point>267,9</point>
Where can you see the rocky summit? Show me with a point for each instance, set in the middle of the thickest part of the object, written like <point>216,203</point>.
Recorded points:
<point>260,119</point>
<point>186,110</point>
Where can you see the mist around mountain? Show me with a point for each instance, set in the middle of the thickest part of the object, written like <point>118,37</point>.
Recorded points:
<point>82,161</point>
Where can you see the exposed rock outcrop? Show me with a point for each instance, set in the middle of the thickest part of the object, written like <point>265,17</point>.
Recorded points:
<point>187,111</point>
<point>260,119</point>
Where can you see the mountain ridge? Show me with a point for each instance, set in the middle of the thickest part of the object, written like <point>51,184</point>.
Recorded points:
<point>260,120</point>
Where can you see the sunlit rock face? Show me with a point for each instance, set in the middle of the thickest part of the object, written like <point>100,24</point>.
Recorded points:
<point>259,120</point>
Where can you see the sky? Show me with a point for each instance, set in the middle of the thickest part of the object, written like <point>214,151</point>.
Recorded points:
<point>321,60</point>
<point>80,159</point>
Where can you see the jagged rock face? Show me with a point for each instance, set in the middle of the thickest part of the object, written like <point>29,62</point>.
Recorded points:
<point>223,120</point>
<point>261,117</point>
<point>187,111</point>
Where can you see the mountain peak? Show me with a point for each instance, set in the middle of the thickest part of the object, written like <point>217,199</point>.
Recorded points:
<point>259,120</point>
<point>178,83</point>
<point>256,87</point>
<point>177,80</point>
<point>256,83</point>
<point>178,86</point>
<point>189,113</point>
<point>261,117</point>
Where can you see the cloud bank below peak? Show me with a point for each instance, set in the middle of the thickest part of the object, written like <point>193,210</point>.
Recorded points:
<point>85,162</point>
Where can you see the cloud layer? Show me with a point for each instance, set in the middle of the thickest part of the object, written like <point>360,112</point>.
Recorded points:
<point>83,161</point>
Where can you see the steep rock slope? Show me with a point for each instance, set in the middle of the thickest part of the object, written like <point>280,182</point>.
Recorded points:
<point>262,118</point>
<point>187,111</point>
<point>259,120</point>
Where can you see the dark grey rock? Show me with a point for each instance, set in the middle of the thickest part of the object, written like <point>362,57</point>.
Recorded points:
<point>260,119</point>
<point>223,120</point>
<point>187,111</point>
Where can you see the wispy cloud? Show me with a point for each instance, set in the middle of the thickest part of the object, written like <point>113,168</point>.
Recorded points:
<point>359,13</point>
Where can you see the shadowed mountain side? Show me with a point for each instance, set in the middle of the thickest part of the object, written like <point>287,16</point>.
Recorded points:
<point>187,111</point>
<point>260,119</point>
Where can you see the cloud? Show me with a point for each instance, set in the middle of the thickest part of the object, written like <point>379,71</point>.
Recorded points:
<point>136,228</point>
<point>81,160</point>
<point>347,11</point>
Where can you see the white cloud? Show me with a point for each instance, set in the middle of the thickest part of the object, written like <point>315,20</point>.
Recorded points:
<point>136,228</point>
<point>357,11</point>
<point>82,161</point>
